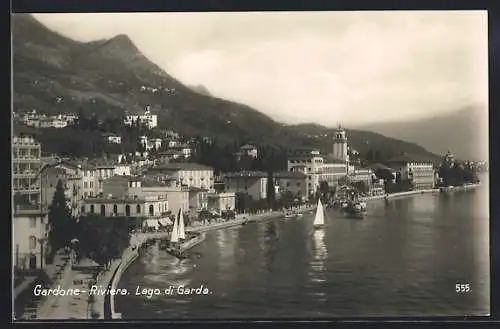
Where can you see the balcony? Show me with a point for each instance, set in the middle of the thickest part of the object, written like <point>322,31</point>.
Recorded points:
<point>27,189</point>
<point>25,173</point>
<point>26,158</point>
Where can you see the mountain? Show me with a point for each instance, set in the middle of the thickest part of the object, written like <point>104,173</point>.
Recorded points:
<point>464,132</point>
<point>108,77</point>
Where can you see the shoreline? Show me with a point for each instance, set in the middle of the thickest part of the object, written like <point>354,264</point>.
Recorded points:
<point>128,257</point>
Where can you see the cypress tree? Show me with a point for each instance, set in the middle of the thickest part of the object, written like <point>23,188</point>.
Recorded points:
<point>271,192</point>
<point>60,220</point>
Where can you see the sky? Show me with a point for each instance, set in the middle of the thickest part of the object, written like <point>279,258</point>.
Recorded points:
<point>323,67</point>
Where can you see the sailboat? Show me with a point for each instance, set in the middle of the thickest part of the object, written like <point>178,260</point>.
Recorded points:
<point>174,238</point>
<point>182,234</point>
<point>319,218</point>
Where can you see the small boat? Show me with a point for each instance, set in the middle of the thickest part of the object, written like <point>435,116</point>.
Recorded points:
<point>356,209</point>
<point>289,215</point>
<point>299,215</point>
<point>319,218</point>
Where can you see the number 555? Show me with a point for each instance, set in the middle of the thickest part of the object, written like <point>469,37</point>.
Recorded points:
<point>461,287</point>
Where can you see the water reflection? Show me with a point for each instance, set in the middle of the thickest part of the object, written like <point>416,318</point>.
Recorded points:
<point>317,264</point>
<point>271,241</point>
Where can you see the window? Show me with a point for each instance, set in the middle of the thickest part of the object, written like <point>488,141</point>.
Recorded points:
<point>82,209</point>
<point>151,210</point>
<point>85,185</point>
<point>91,184</point>
<point>127,210</point>
<point>32,222</point>
<point>115,209</point>
<point>92,209</point>
<point>32,242</point>
<point>138,209</point>
<point>103,210</point>
<point>85,194</point>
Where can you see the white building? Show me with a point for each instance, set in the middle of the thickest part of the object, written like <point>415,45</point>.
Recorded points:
<point>137,188</point>
<point>149,119</point>
<point>188,174</point>
<point>340,147</point>
<point>416,169</point>
<point>112,138</point>
<point>110,206</point>
<point>309,162</point>
<point>29,238</point>
<point>221,201</point>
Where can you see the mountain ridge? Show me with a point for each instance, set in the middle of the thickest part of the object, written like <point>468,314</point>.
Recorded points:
<point>110,76</point>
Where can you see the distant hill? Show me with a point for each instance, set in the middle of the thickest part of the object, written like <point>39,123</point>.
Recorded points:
<point>463,132</point>
<point>55,74</point>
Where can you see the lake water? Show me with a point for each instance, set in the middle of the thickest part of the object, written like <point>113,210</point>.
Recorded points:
<point>403,259</point>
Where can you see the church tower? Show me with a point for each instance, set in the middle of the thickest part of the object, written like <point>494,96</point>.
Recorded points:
<point>340,145</point>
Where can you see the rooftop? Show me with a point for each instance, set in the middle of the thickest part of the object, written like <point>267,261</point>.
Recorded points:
<point>247,147</point>
<point>406,158</point>
<point>246,174</point>
<point>290,174</point>
<point>181,166</point>
<point>332,159</point>
<point>380,166</point>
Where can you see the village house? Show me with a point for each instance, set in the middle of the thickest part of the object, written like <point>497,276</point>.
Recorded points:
<point>294,182</point>
<point>253,183</point>
<point>221,201</point>
<point>188,174</point>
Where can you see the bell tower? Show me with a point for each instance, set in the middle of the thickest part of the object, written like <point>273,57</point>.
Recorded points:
<point>340,145</point>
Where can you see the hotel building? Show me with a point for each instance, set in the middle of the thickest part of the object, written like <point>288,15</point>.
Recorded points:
<point>30,222</point>
<point>414,168</point>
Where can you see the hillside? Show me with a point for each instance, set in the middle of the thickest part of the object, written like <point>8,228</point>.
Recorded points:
<point>463,132</point>
<point>54,74</point>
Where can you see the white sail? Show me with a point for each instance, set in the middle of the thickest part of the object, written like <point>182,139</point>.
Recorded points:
<point>182,234</point>
<point>319,219</point>
<point>175,231</point>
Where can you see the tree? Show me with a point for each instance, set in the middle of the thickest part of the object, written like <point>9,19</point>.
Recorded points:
<point>102,239</point>
<point>271,191</point>
<point>60,219</point>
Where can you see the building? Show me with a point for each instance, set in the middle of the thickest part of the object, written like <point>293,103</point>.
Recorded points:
<point>147,118</point>
<point>221,201</point>
<point>253,183</point>
<point>26,165</point>
<point>188,174</point>
<point>294,182</point>
<point>309,162</point>
<point>247,150</point>
<point>50,177</point>
<point>112,138</point>
<point>340,148</point>
<point>197,198</point>
<point>29,237</point>
<point>366,176</point>
<point>415,169</point>
<point>333,170</point>
<point>29,222</point>
<point>139,187</point>
<point>111,206</point>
